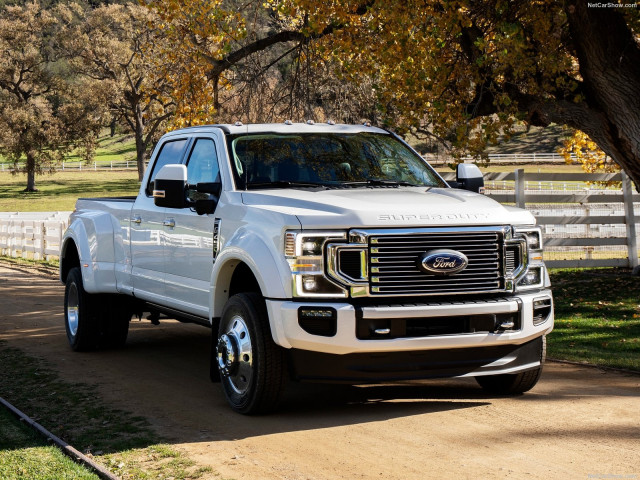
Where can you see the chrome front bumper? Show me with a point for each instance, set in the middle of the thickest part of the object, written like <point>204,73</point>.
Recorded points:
<point>287,332</point>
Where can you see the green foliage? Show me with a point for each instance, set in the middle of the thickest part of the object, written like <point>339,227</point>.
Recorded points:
<point>43,110</point>
<point>597,317</point>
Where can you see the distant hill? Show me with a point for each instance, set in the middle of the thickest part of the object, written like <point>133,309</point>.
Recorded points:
<point>535,140</point>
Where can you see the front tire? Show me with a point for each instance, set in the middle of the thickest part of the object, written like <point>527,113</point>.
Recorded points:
<point>252,367</point>
<point>515,384</point>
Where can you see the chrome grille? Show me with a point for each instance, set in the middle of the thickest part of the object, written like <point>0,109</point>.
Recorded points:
<point>394,261</point>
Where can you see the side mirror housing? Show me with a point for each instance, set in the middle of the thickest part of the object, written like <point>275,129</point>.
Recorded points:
<point>469,177</point>
<point>170,187</point>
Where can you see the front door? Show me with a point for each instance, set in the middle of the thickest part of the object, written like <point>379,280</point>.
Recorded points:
<point>148,230</point>
<point>189,237</point>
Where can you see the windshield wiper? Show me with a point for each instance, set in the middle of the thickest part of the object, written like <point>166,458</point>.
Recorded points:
<point>284,184</point>
<point>383,183</point>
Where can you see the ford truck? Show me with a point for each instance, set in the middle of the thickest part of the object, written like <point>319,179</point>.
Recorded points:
<point>314,252</point>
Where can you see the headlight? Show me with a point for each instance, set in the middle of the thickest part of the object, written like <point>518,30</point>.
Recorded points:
<point>535,273</point>
<point>304,252</point>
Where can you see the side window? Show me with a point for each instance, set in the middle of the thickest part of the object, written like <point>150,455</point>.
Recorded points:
<point>202,166</point>
<point>171,153</point>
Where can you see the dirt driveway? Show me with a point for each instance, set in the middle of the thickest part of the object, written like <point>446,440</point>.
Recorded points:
<point>577,423</point>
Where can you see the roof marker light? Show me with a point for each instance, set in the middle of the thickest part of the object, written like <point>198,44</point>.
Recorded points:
<point>310,122</point>
<point>288,122</point>
<point>238,123</point>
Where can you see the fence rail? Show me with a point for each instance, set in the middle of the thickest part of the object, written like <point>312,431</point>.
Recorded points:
<point>494,158</point>
<point>507,158</point>
<point>80,165</point>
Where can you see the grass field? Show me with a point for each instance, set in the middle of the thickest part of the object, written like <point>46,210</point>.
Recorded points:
<point>597,317</point>
<point>117,148</point>
<point>125,444</point>
<point>24,454</point>
<point>59,191</point>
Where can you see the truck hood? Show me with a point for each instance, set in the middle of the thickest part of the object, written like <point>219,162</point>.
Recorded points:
<point>386,207</point>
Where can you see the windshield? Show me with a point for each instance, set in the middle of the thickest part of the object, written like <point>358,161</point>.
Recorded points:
<point>326,159</point>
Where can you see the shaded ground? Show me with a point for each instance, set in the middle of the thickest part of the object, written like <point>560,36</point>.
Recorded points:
<point>577,422</point>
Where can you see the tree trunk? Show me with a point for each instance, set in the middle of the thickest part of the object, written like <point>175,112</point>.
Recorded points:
<point>31,173</point>
<point>112,127</point>
<point>609,59</point>
<point>141,146</point>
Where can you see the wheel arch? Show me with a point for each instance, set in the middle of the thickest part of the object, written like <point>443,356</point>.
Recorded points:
<point>69,258</point>
<point>89,241</point>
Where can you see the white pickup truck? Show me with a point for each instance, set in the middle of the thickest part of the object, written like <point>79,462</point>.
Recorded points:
<point>316,252</point>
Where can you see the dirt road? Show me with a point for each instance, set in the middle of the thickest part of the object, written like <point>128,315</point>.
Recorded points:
<point>577,423</point>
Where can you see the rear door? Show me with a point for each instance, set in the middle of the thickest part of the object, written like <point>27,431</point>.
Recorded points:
<point>147,230</point>
<point>189,236</point>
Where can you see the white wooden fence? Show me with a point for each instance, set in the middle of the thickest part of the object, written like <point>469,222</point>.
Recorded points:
<point>79,165</point>
<point>505,158</point>
<point>36,235</point>
<point>495,158</point>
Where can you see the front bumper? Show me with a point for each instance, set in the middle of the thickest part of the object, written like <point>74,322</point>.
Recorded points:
<point>287,332</point>
<point>391,366</point>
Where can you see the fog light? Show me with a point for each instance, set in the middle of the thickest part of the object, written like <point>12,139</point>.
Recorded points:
<point>318,320</point>
<point>541,310</point>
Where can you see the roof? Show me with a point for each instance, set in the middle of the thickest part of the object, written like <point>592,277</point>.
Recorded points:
<point>281,128</point>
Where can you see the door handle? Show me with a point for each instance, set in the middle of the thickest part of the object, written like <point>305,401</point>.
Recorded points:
<point>169,223</point>
<point>137,220</point>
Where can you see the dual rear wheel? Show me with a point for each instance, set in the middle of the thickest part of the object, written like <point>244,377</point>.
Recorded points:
<point>93,321</point>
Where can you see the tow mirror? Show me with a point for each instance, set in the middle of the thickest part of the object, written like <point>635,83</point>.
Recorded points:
<point>170,186</point>
<point>469,177</point>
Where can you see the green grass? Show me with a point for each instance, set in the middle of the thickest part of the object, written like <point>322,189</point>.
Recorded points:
<point>597,317</point>
<point>122,442</point>
<point>25,454</point>
<point>59,191</point>
<point>117,148</point>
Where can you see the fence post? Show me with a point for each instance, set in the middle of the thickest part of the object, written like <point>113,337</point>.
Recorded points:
<point>43,236</point>
<point>630,220</point>
<point>519,185</point>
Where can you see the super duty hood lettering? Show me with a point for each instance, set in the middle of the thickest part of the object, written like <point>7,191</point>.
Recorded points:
<point>431,217</point>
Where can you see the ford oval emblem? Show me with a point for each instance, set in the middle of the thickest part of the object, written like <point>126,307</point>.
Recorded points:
<point>443,262</point>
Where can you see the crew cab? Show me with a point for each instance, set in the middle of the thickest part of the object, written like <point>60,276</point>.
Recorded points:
<point>315,252</point>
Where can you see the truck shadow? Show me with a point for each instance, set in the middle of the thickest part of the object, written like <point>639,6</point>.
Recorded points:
<point>183,358</point>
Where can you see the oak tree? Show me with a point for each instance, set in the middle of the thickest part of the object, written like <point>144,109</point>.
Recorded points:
<point>43,112</point>
<point>116,47</point>
<point>462,71</point>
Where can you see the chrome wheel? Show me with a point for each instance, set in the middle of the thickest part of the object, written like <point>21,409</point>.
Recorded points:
<point>235,355</point>
<point>73,306</point>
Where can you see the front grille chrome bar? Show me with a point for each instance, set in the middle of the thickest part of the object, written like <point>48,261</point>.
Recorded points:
<point>496,260</point>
